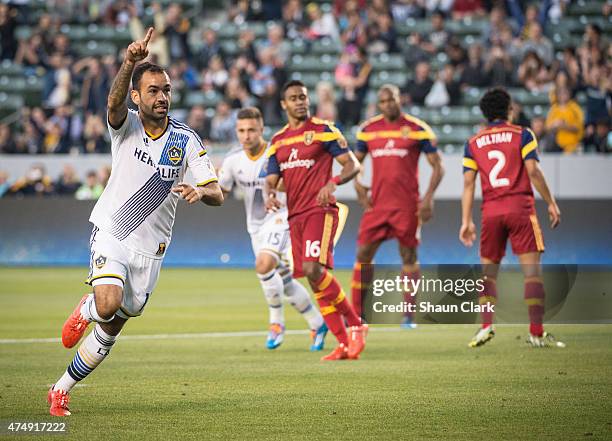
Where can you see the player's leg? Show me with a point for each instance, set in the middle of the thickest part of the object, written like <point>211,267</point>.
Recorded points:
<point>534,291</point>
<point>92,351</point>
<point>411,270</point>
<point>363,273</point>
<point>373,230</point>
<point>298,297</point>
<point>493,238</point>
<point>272,285</point>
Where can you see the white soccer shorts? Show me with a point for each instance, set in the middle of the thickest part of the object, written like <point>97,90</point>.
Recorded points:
<point>273,238</point>
<point>111,263</point>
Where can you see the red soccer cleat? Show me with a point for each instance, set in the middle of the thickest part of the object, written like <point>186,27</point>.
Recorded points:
<point>75,326</point>
<point>340,353</point>
<point>58,399</point>
<point>357,341</point>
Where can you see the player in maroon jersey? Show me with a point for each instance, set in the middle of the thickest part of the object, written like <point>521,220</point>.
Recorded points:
<point>302,153</point>
<point>394,141</point>
<point>506,157</point>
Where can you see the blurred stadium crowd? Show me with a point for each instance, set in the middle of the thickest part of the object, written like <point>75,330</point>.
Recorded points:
<point>58,59</point>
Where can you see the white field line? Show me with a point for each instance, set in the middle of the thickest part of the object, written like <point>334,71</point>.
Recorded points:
<point>10,341</point>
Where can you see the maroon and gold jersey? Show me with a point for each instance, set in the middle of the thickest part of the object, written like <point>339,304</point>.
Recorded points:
<point>498,153</point>
<point>303,157</point>
<point>395,148</point>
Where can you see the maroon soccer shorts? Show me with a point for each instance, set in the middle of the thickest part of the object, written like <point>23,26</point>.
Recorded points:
<point>377,225</point>
<point>523,230</point>
<point>312,238</point>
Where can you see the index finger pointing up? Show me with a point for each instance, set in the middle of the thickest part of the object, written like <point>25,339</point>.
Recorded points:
<point>148,36</point>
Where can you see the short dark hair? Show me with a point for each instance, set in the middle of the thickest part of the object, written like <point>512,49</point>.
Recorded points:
<point>249,113</point>
<point>289,84</point>
<point>495,104</point>
<point>141,69</point>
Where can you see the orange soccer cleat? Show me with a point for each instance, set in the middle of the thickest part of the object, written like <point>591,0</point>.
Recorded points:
<point>58,399</point>
<point>357,340</point>
<point>75,326</point>
<point>340,353</point>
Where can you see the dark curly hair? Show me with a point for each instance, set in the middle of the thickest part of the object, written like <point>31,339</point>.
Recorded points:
<point>495,104</point>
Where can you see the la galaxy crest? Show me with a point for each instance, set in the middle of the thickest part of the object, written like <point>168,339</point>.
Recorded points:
<point>309,137</point>
<point>100,261</point>
<point>175,154</point>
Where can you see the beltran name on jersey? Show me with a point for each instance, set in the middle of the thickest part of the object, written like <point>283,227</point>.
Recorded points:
<point>498,153</point>
<point>137,206</point>
<point>245,171</point>
<point>303,157</point>
<point>395,147</point>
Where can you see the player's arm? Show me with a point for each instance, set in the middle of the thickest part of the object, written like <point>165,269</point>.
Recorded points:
<point>361,189</point>
<point>467,232</point>
<point>117,104</point>
<point>350,169</point>
<point>536,176</point>
<point>437,173</point>
<point>272,173</point>
<point>529,153</point>
<point>209,193</point>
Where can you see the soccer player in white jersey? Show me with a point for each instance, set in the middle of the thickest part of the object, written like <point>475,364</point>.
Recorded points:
<point>133,218</point>
<point>269,232</point>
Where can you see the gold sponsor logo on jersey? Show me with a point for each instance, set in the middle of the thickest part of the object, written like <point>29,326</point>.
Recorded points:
<point>162,249</point>
<point>309,137</point>
<point>405,132</point>
<point>175,154</point>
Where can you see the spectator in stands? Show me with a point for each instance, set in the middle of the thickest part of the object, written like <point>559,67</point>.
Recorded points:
<point>222,124</point>
<point>533,74</point>
<point>457,55</point>
<point>532,15</point>
<point>31,54</point>
<point>8,27</point>
<point>68,183</point>
<point>7,143</point>
<point>571,67</point>
<point>210,48</point>
<point>57,81</point>
<point>158,45</point>
<point>91,189</point>
<point>176,29</point>
<point>264,84</point>
<point>94,133</point>
<point>417,89</point>
<point>61,45</point>
<point>341,7</point>
<point>355,88</point>
<point>199,122</point>
<point>452,85</point>
<point>473,74</point>
<point>215,77</point>
<point>546,140</point>
<point>518,116</point>
<point>36,182</point>
<point>599,97</point>
<point>280,47</point>
<point>402,10</point>
<point>467,8</point>
<point>240,12</point>
<point>566,120</point>
<point>354,33</point>
<point>326,102</point>
<point>443,6</point>
<point>381,35</point>
<point>438,36</point>
<point>414,51</point>
<point>600,139</point>
<point>5,185</point>
<point>117,13</point>
<point>322,24</point>
<point>538,43</point>
<point>376,8</point>
<point>246,45</point>
<point>96,84</point>
<point>492,30</point>
<point>498,66</point>
<point>294,19</point>
<point>104,173</point>
<point>237,95</point>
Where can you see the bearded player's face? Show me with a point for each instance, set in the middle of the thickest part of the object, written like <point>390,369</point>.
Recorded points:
<point>154,95</point>
<point>296,103</point>
<point>389,104</point>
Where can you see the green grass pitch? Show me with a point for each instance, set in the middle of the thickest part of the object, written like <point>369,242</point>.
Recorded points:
<point>424,384</point>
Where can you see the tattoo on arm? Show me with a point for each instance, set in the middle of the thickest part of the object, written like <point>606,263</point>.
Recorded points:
<point>117,105</point>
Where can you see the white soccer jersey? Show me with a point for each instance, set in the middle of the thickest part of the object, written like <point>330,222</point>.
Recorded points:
<point>244,171</point>
<point>137,206</point>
